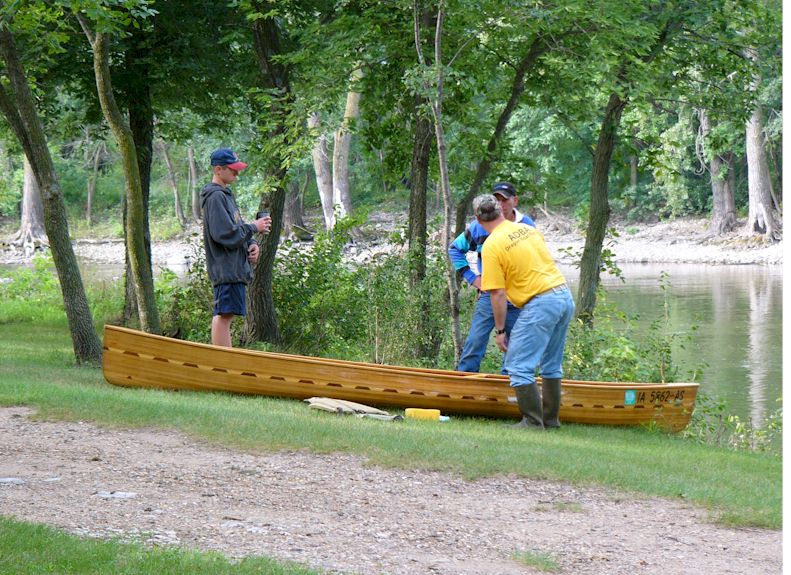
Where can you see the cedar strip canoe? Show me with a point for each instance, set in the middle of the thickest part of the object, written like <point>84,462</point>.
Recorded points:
<point>137,359</point>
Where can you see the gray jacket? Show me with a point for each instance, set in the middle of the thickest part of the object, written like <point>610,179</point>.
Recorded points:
<point>225,237</point>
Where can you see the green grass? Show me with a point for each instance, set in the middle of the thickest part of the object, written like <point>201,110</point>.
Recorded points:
<point>739,488</point>
<point>537,560</point>
<point>32,549</point>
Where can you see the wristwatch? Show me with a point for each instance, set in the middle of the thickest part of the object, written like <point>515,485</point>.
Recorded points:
<point>498,331</point>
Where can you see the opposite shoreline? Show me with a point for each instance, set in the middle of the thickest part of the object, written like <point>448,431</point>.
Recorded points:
<point>683,240</point>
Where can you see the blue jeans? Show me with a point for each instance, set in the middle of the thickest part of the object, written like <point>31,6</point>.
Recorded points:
<point>539,336</point>
<point>481,328</point>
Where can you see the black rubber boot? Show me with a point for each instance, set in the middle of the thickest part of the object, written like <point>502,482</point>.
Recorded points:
<point>551,402</point>
<point>529,401</point>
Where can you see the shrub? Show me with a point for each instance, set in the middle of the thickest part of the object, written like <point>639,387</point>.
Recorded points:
<point>712,424</point>
<point>187,302</point>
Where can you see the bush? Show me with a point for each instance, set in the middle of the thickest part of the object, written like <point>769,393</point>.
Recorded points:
<point>32,293</point>
<point>613,350</point>
<point>188,302</point>
<point>711,424</point>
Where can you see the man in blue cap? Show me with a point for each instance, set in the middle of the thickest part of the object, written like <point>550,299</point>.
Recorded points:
<point>472,241</point>
<point>231,248</point>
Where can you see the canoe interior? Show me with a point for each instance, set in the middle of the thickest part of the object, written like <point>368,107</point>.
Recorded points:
<point>137,359</point>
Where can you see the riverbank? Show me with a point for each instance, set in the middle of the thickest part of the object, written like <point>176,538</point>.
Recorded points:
<point>683,240</point>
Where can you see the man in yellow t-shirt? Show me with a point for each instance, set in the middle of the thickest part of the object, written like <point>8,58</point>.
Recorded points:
<point>518,267</point>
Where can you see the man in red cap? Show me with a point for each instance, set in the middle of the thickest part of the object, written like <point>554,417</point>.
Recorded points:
<point>231,249</point>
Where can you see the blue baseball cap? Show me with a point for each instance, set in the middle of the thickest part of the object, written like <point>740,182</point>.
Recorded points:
<point>227,157</point>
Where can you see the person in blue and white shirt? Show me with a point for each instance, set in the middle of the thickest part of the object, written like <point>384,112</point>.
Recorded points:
<point>472,240</point>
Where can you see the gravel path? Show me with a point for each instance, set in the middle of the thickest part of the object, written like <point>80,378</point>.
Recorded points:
<point>337,513</point>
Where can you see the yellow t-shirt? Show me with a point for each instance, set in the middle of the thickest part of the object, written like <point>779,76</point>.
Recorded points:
<point>516,257</point>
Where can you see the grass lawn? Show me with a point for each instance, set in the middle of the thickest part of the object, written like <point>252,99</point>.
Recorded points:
<point>739,488</point>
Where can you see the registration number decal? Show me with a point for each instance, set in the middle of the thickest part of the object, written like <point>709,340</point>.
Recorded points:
<point>634,397</point>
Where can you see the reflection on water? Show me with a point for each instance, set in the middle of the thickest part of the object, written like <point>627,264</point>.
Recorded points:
<point>738,311</point>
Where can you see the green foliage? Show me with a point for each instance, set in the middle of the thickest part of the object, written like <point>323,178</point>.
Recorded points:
<point>537,560</point>
<point>320,301</point>
<point>613,350</point>
<point>10,192</point>
<point>712,424</point>
<point>328,307</point>
<point>31,293</point>
<point>188,302</point>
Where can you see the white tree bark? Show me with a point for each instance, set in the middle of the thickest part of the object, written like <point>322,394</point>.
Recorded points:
<point>323,170</point>
<point>341,189</point>
<point>31,233</point>
<point>178,210</point>
<point>193,184</point>
<point>761,217</point>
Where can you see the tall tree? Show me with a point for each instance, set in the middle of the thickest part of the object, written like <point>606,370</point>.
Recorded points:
<point>261,322</point>
<point>723,210</point>
<point>31,233</point>
<point>629,72</point>
<point>761,216</point>
<point>193,184</point>
<point>136,216</point>
<point>18,107</point>
<point>323,170</point>
<point>173,181</point>
<point>435,99</point>
<point>341,187</point>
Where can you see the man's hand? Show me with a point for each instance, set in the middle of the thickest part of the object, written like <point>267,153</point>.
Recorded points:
<point>263,225</point>
<point>252,252</point>
<point>476,283</point>
<point>502,341</point>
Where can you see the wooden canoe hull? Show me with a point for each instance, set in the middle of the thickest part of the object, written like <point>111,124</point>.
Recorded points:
<point>137,359</point>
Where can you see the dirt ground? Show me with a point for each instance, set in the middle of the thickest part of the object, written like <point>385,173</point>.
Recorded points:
<point>338,513</point>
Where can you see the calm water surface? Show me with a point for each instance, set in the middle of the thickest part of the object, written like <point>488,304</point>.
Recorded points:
<point>738,311</point>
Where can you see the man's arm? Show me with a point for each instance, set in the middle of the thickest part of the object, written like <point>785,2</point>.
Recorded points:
<point>458,256</point>
<point>222,227</point>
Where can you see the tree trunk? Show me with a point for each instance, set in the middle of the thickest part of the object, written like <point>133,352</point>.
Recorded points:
<point>193,177</point>
<point>178,211</point>
<point>136,221</point>
<point>141,124</point>
<point>323,170</point>
<point>96,162</point>
<point>537,48</point>
<point>31,233</point>
<point>723,213</point>
<point>261,321</point>
<point>22,116</point>
<point>418,194</point>
<point>341,189</point>
<point>417,225</point>
<point>442,156</point>
<point>761,216</point>
<point>293,219</point>
<point>590,265</point>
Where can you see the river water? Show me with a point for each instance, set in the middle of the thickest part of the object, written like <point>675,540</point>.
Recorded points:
<point>738,313</point>
<point>737,310</point>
